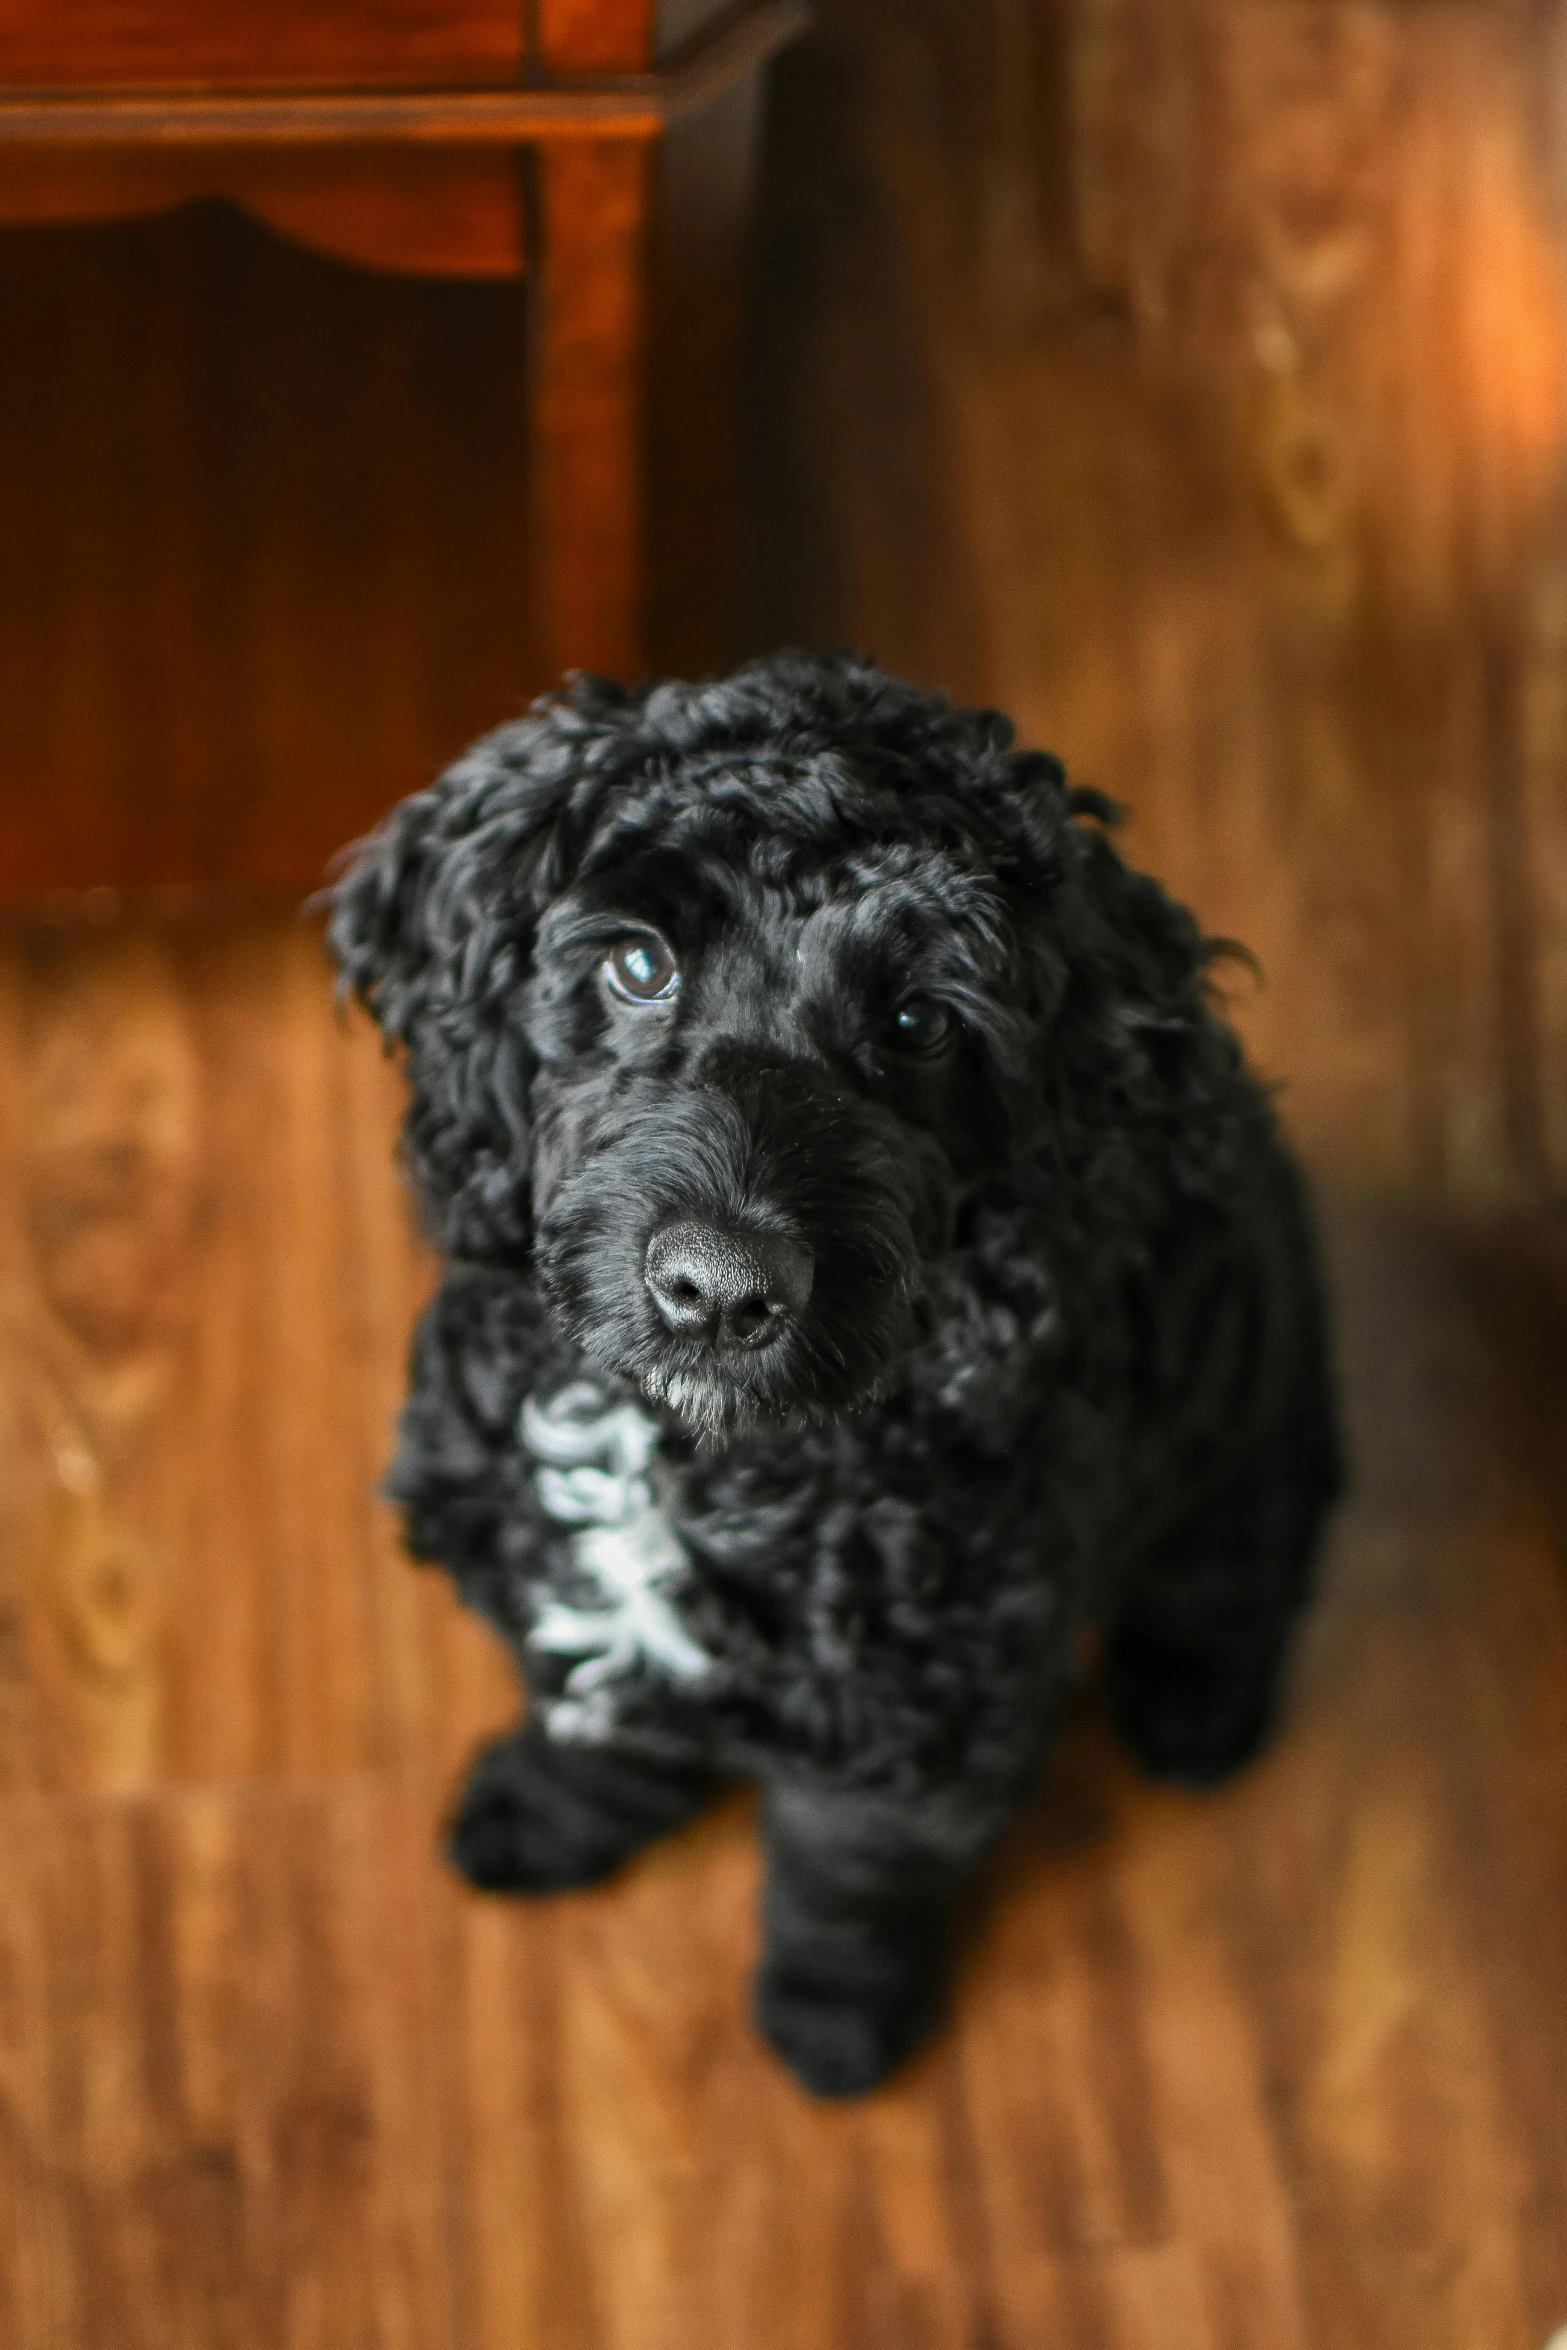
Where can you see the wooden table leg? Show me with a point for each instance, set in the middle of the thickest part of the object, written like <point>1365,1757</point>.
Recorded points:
<point>588,405</point>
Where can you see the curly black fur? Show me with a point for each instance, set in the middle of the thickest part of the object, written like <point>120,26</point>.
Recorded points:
<point>1063,1362</point>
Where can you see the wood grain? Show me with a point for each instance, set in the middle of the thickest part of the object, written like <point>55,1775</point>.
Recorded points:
<point>431,212</point>
<point>103,42</point>
<point>209,1281</point>
<point>589,407</point>
<point>594,36</point>
<point>420,180</point>
<point>1283,2066</point>
<point>1216,360</point>
<point>272,584</point>
<point>293,565</point>
<point>1280,2066</point>
<point>219,2116</point>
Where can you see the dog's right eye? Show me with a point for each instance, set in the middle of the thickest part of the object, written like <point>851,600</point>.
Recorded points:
<point>641,969</point>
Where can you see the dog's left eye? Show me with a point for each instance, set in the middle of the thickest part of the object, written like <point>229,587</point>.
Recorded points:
<point>920,1026</point>
<point>641,969</point>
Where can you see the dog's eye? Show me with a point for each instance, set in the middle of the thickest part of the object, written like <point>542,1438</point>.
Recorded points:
<point>641,969</point>
<point>920,1026</point>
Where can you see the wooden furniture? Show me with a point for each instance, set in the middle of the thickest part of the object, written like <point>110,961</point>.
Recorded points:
<point>392,135</point>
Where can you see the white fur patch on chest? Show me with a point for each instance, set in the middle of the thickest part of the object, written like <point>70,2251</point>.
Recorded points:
<point>595,1459</point>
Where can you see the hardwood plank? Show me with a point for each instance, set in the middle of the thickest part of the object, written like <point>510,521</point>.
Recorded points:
<point>684,2188</point>
<point>1251,513</point>
<point>210,1274</point>
<point>444,1680</point>
<point>226,2128</point>
<point>1115,2087</point>
<point>1372,1913</point>
<point>1277,2065</point>
<point>101,1246</point>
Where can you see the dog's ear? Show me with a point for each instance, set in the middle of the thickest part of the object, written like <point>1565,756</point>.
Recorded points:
<point>1128,1055</point>
<point>1144,1052</point>
<point>433,927</point>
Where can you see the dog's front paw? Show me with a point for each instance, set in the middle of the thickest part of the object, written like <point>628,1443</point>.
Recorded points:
<point>1190,1718</point>
<point>518,1829</point>
<point>837,2040</point>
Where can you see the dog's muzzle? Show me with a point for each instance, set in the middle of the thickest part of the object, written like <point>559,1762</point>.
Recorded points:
<point>724,1288</point>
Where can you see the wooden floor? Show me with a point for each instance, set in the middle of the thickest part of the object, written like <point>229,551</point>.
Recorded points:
<point>1028,440</point>
<point>1283,2068</point>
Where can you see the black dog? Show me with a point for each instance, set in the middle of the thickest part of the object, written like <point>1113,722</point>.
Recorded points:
<point>872,1264</point>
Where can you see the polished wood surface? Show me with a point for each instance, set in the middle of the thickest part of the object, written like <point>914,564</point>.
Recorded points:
<point>264,563</point>
<point>425,180</point>
<point>1191,385</point>
<point>630,153</point>
<point>294,565</point>
<point>438,212</point>
<point>1284,2066</point>
<point>588,542</point>
<point>106,42</point>
<point>571,105</point>
<point>438,178</point>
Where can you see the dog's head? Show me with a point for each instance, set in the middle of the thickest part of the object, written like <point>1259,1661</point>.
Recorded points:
<point>721,1003</point>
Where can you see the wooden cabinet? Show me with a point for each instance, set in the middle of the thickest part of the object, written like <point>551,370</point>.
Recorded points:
<point>600,147</point>
<point>103,43</point>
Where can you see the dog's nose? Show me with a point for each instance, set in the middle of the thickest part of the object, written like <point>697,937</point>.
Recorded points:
<point>726,1288</point>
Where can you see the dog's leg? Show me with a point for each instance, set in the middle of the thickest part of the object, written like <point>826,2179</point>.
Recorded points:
<point>538,1815</point>
<point>854,1924</point>
<point>1196,1660</point>
<point>1197,1648</point>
